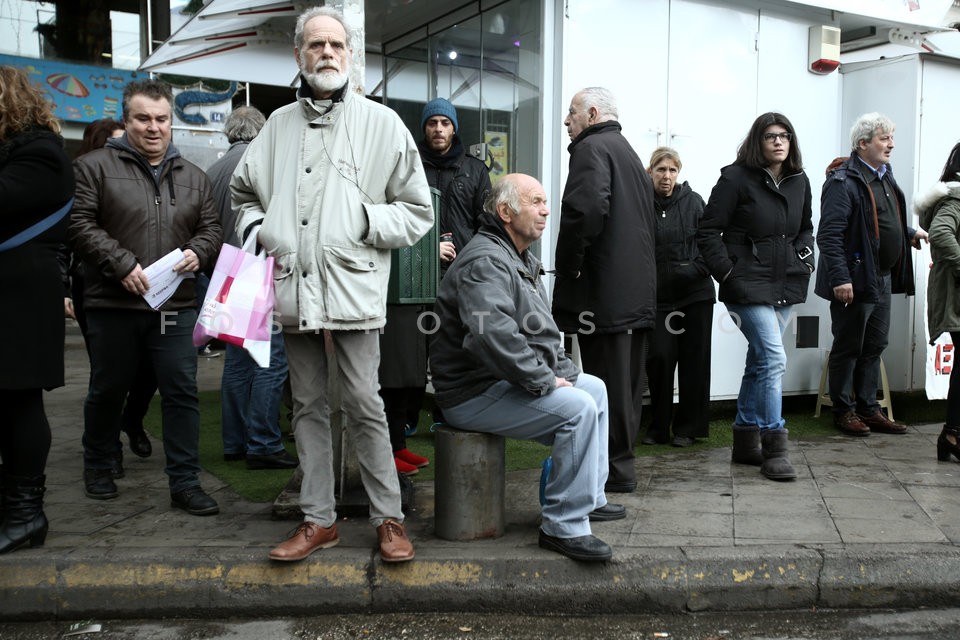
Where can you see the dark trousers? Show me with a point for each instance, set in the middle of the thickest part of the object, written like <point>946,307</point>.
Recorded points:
<point>619,359</point>
<point>144,384</point>
<point>24,432</point>
<point>402,406</point>
<point>681,341</point>
<point>953,395</point>
<point>860,332</point>
<point>119,341</point>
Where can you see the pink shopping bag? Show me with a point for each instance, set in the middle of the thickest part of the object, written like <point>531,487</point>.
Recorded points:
<point>238,308</point>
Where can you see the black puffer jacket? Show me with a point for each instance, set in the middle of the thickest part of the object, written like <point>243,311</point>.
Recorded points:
<point>123,216</point>
<point>765,229</point>
<point>605,262</point>
<point>682,274</point>
<point>463,183</point>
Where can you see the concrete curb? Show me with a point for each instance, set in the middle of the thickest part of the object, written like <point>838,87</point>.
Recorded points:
<point>126,584</point>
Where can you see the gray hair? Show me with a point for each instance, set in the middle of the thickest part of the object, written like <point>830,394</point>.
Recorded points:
<point>243,124</point>
<point>600,98</point>
<point>867,126</point>
<point>664,153</point>
<point>316,12</point>
<point>505,191</point>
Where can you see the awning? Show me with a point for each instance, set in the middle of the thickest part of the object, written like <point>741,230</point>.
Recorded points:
<point>234,40</point>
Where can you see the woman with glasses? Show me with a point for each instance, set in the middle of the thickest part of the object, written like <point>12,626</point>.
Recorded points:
<point>756,236</point>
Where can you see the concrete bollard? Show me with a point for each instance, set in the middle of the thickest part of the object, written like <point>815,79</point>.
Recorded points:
<point>469,489</point>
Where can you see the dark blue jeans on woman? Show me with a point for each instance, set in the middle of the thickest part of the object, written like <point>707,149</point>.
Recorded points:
<point>118,341</point>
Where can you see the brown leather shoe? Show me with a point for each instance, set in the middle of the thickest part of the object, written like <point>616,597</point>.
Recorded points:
<point>850,424</point>
<point>882,424</point>
<point>306,539</point>
<point>395,546</point>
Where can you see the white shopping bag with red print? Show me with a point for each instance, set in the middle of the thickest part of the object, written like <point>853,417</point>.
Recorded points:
<point>238,308</point>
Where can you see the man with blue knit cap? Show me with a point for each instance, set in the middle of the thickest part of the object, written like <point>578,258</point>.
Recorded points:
<point>463,183</point>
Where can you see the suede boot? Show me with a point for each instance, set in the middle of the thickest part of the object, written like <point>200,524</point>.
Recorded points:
<point>776,464</point>
<point>746,445</point>
<point>24,521</point>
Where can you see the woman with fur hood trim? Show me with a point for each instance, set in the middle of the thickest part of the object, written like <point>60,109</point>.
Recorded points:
<point>939,211</point>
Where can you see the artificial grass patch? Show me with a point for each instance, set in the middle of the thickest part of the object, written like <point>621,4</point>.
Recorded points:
<point>262,485</point>
<point>265,485</point>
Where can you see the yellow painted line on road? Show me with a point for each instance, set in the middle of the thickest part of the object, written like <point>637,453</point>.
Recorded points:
<point>425,574</point>
<point>112,575</point>
<point>334,575</point>
<point>30,577</point>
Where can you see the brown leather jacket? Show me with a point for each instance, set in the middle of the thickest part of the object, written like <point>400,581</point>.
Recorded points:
<point>124,215</point>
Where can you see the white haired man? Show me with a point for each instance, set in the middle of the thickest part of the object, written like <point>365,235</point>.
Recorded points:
<point>864,246</point>
<point>331,184</point>
<point>606,287</point>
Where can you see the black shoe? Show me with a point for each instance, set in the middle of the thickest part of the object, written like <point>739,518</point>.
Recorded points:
<point>140,443</point>
<point>116,465</point>
<point>279,460</point>
<point>683,441</point>
<point>98,484</point>
<point>620,487</point>
<point>584,548</point>
<point>653,439</point>
<point>608,512</point>
<point>234,457</point>
<point>194,501</point>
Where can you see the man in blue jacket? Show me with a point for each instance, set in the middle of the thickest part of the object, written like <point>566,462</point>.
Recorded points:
<point>864,246</point>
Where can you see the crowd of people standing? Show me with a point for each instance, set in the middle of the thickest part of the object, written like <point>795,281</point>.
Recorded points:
<point>637,255</point>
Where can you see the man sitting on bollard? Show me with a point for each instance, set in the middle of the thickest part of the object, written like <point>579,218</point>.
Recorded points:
<point>499,366</point>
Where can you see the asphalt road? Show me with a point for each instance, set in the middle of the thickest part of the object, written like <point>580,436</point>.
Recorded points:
<point>927,624</point>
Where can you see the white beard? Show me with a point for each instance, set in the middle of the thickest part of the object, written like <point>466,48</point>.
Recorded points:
<point>325,81</point>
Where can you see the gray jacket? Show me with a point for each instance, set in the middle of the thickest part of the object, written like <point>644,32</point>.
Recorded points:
<point>494,323</point>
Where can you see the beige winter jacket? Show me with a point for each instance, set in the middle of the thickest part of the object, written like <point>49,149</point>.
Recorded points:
<point>334,187</point>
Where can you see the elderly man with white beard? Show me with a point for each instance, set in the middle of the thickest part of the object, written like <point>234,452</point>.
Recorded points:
<point>331,184</point>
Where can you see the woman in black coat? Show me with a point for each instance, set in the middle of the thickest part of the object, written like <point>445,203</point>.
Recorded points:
<point>685,297</point>
<point>36,189</point>
<point>757,239</point>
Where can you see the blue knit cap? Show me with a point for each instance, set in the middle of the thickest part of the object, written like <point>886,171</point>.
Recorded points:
<point>439,107</point>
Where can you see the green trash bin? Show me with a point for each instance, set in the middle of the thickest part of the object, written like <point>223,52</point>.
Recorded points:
<point>415,271</point>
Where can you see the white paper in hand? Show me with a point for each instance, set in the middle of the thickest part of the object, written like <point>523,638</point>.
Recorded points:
<point>163,279</point>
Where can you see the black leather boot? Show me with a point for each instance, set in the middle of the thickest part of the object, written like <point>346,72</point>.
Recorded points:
<point>776,464</point>
<point>948,443</point>
<point>746,445</point>
<point>24,521</point>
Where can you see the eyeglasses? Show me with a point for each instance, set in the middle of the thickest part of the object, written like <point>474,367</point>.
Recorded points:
<point>770,137</point>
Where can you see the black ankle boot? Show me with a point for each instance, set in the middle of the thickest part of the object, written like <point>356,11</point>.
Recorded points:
<point>944,445</point>
<point>746,445</point>
<point>24,521</point>
<point>776,463</point>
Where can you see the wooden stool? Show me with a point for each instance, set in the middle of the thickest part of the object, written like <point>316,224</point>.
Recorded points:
<point>823,395</point>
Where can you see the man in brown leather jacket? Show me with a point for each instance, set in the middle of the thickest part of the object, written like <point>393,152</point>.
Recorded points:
<point>138,200</point>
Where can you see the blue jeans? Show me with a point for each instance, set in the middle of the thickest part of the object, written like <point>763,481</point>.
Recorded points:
<point>250,398</point>
<point>761,389</point>
<point>860,334</point>
<point>118,341</point>
<point>572,420</point>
